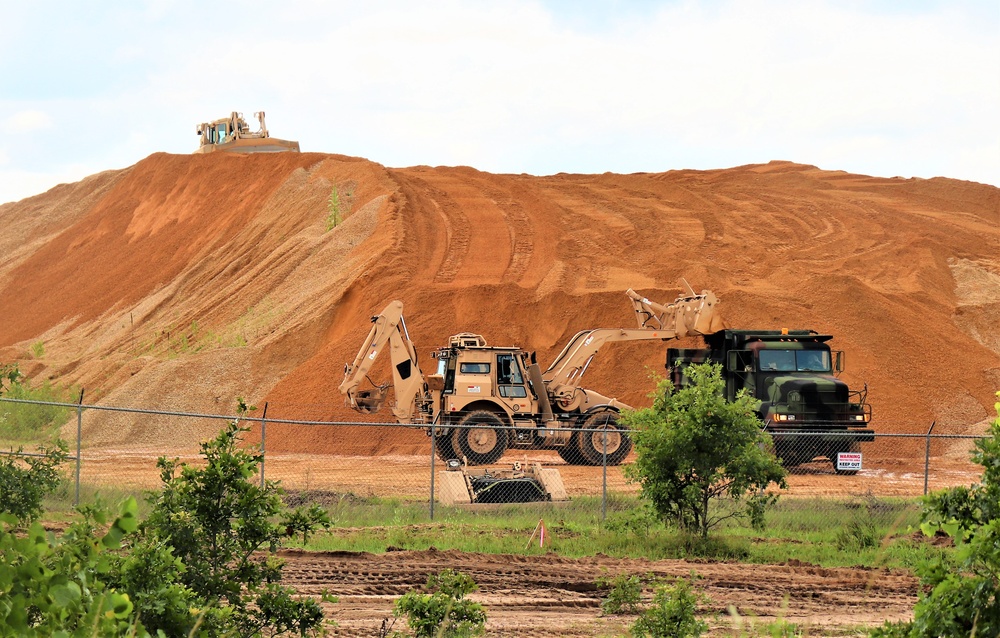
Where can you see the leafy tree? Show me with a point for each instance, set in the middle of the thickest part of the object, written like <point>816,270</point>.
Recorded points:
<point>444,610</point>
<point>962,591</point>
<point>693,446</point>
<point>56,587</point>
<point>218,524</point>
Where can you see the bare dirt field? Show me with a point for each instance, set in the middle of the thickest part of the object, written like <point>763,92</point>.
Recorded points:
<point>547,595</point>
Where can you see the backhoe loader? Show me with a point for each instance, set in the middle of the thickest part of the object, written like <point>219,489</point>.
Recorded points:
<point>483,400</point>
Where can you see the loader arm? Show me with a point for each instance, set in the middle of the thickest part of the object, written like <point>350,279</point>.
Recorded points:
<point>692,314</point>
<point>389,329</point>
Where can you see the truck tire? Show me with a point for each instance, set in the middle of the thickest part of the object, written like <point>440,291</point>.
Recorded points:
<point>480,445</point>
<point>591,444</point>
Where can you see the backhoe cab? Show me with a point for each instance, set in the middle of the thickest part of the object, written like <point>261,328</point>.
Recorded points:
<point>483,400</point>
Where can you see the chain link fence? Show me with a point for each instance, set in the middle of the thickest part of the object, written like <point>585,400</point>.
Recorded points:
<point>115,449</point>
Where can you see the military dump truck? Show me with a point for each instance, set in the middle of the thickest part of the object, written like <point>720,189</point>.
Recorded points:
<point>483,399</point>
<point>232,134</point>
<point>809,411</point>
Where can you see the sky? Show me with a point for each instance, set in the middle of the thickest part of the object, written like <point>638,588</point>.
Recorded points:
<point>885,88</point>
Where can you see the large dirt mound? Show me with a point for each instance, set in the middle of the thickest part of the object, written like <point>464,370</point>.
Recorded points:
<point>185,281</point>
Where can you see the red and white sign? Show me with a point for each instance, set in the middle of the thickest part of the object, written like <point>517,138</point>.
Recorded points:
<point>849,461</point>
<point>473,389</point>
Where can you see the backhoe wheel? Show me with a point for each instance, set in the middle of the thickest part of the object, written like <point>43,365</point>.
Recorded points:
<point>571,451</point>
<point>443,446</point>
<point>480,445</point>
<point>600,434</point>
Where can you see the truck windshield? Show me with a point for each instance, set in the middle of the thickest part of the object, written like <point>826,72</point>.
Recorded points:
<point>795,360</point>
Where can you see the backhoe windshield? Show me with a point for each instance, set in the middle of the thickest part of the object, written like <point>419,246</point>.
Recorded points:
<point>794,360</point>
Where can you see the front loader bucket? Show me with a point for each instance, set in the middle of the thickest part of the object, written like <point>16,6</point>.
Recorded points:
<point>368,401</point>
<point>708,321</point>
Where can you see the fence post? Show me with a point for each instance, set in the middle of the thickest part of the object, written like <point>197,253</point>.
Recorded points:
<point>433,454</point>
<point>927,456</point>
<point>79,436</point>
<point>263,440</point>
<point>604,486</point>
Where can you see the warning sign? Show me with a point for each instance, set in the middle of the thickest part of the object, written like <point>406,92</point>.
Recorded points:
<point>849,461</point>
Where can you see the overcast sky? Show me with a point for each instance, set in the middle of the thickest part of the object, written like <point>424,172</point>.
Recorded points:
<point>888,88</point>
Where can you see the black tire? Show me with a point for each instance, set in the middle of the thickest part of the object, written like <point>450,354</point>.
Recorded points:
<point>571,451</point>
<point>443,447</point>
<point>602,426</point>
<point>480,445</point>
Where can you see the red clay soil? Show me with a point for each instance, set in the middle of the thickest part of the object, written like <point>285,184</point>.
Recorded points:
<point>185,281</point>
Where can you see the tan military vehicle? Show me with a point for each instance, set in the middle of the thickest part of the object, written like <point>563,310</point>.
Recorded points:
<point>232,134</point>
<point>499,397</point>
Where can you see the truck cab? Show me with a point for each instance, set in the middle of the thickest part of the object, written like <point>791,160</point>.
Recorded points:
<point>810,411</point>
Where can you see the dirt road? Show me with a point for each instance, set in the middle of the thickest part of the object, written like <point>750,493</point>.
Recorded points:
<point>548,595</point>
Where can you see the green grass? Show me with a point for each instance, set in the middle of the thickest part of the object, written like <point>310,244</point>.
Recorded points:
<point>818,531</point>
<point>26,423</point>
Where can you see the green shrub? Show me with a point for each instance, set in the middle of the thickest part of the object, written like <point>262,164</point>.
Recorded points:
<point>624,596</point>
<point>56,587</point>
<point>444,609</point>
<point>672,614</point>
<point>26,480</point>
<point>961,592</point>
<point>219,523</point>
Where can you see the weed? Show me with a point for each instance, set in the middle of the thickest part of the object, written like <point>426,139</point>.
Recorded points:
<point>333,209</point>
<point>444,610</point>
<point>672,613</point>
<point>38,349</point>
<point>859,533</point>
<point>625,594</point>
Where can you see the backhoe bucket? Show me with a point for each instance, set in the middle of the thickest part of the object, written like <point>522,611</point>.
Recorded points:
<point>368,401</point>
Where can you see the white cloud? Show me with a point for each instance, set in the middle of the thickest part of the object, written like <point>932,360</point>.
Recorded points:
<point>27,122</point>
<point>517,87</point>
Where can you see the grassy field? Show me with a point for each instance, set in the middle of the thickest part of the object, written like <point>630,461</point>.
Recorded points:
<point>831,532</point>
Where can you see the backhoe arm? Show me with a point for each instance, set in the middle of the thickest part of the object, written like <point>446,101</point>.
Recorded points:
<point>693,314</point>
<point>389,329</point>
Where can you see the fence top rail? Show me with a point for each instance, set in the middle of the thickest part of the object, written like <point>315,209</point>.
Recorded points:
<point>270,420</point>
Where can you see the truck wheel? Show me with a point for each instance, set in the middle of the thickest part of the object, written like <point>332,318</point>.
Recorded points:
<point>603,426</point>
<point>480,445</point>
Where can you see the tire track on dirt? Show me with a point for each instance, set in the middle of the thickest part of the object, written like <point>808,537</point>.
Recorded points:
<point>549,595</point>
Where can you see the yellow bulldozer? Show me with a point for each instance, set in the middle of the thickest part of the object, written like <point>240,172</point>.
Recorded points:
<point>232,134</point>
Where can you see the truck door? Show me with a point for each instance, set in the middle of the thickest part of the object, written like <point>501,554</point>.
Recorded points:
<point>511,389</point>
<point>740,368</point>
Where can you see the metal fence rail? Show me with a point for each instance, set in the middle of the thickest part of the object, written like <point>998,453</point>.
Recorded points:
<point>116,448</point>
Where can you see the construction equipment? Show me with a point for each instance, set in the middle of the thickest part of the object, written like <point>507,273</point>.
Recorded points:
<point>485,399</point>
<point>461,485</point>
<point>809,411</point>
<point>232,134</point>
